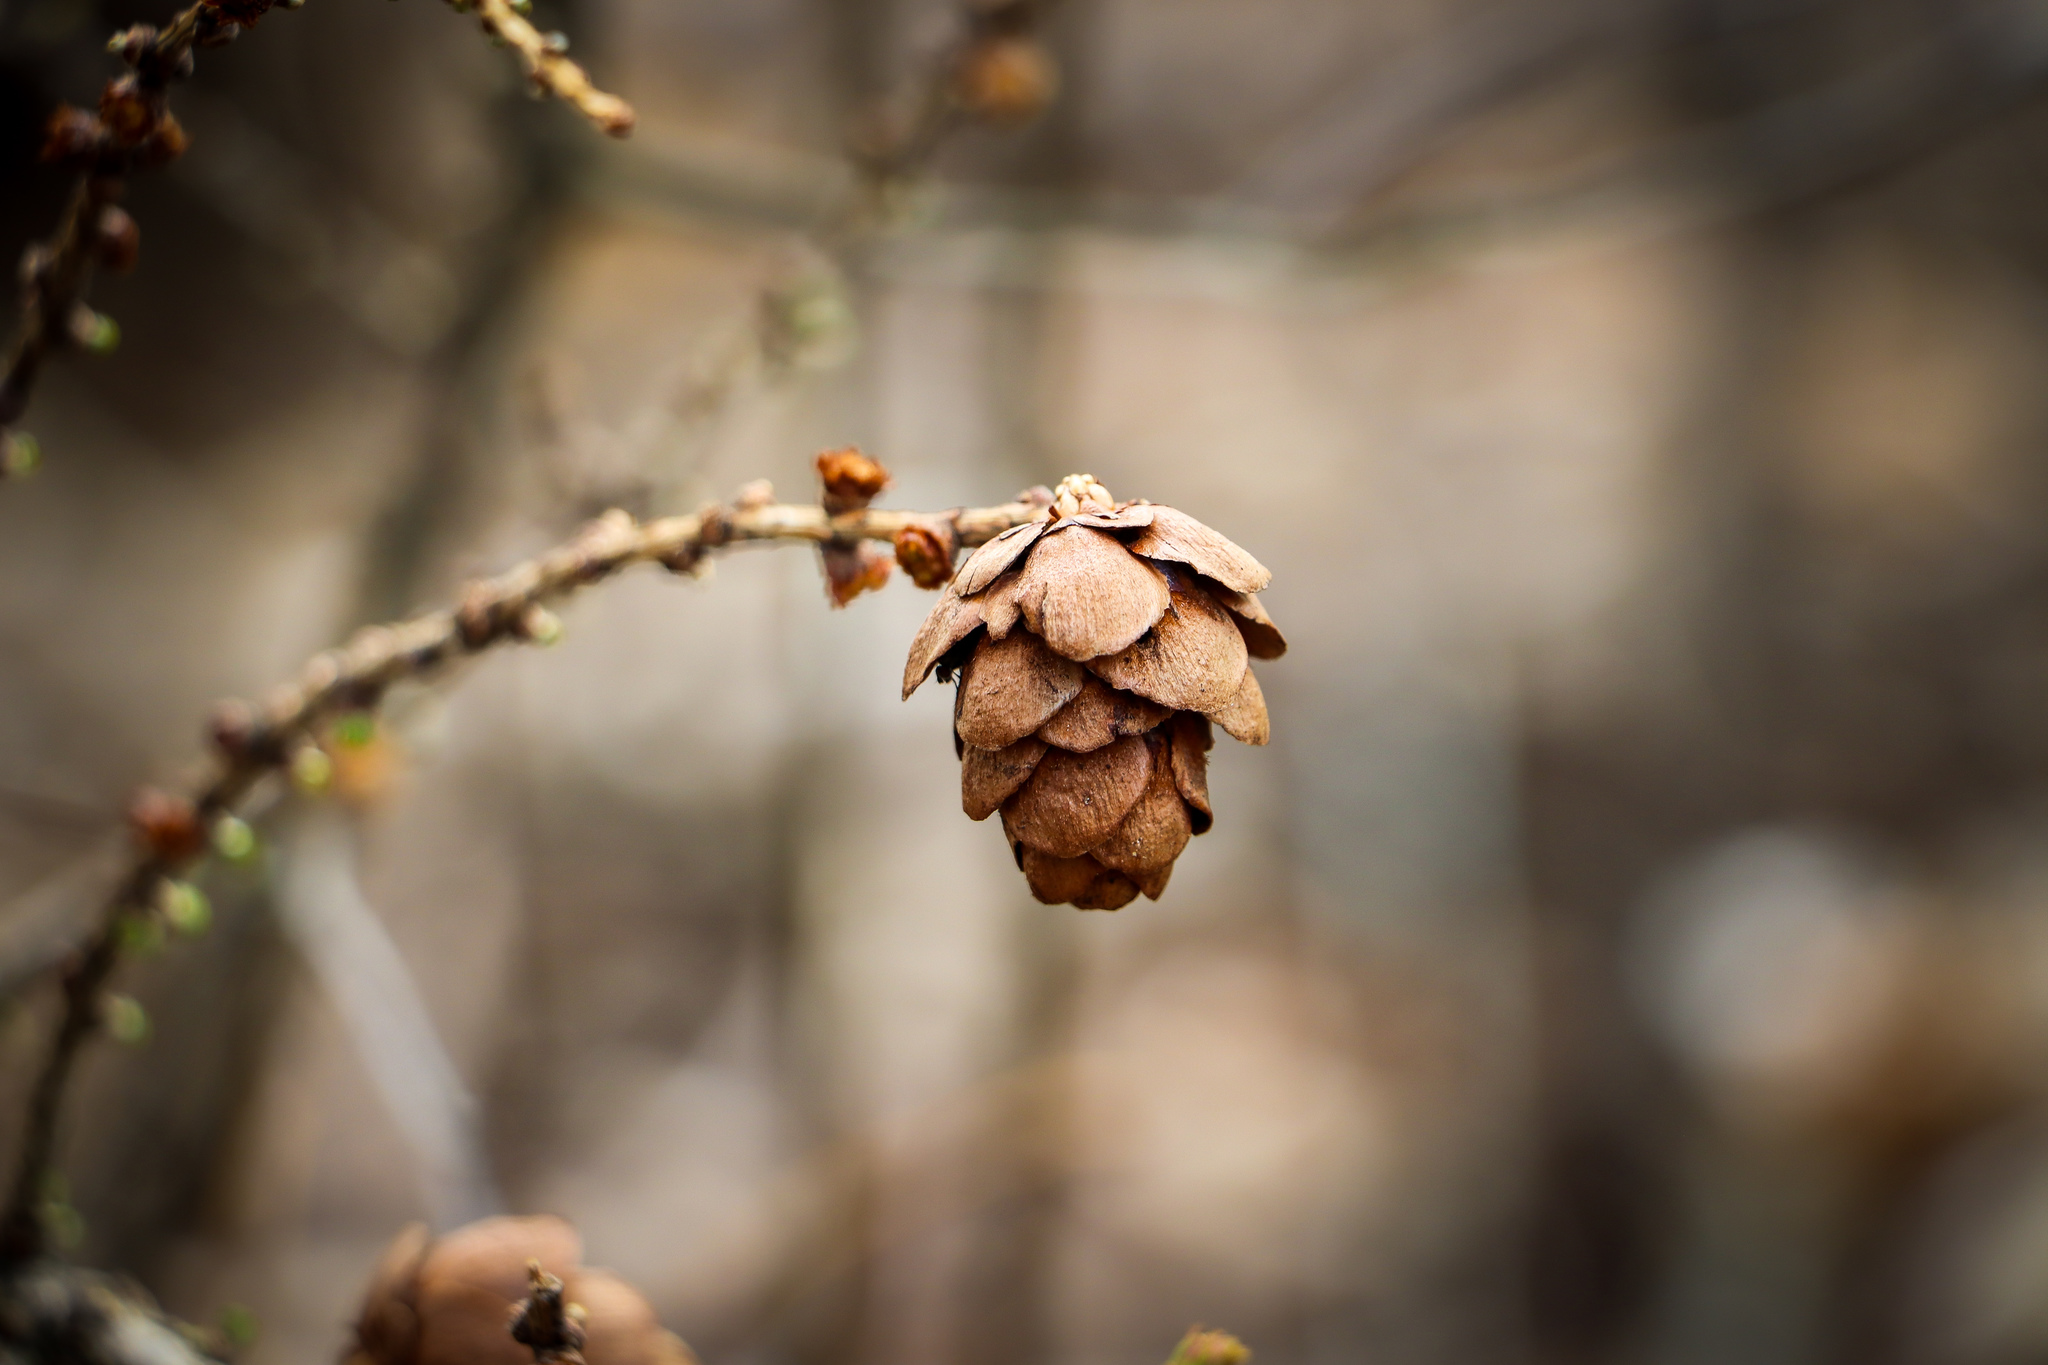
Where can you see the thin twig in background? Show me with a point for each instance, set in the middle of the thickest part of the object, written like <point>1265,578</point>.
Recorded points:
<point>252,743</point>
<point>134,130</point>
<point>996,71</point>
<point>547,65</point>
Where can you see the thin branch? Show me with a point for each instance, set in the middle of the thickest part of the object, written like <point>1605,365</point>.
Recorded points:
<point>135,130</point>
<point>547,66</point>
<point>252,743</point>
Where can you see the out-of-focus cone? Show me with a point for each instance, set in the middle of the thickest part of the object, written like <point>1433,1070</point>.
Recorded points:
<point>449,1301</point>
<point>1094,648</point>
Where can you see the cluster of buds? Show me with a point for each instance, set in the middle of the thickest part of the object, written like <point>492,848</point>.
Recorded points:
<point>851,480</point>
<point>1094,648</point>
<point>480,1296</point>
<point>133,128</point>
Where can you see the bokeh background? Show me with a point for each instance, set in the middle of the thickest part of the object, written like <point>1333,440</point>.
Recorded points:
<point>1632,947</point>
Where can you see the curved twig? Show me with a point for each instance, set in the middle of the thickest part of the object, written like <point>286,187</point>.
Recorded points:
<point>254,742</point>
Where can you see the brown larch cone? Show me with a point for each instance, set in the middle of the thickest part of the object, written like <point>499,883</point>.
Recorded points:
<point>1094,647</point>
<point>450,1301</point>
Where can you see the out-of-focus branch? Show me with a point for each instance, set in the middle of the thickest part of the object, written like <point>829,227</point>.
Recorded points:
<point>252,743</point>
<point>544,55</point>
<point>995,72</point>
<point>134,130</point>
<point>61,1312</point>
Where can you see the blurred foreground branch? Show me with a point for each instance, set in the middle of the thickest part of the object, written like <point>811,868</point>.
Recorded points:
<point>133,130</point>
<point>252,743</point>
<point>53,1312</point>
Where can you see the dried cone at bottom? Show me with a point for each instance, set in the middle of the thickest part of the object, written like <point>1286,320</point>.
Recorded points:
<point>1094,649</point>
<point>449,1301</point>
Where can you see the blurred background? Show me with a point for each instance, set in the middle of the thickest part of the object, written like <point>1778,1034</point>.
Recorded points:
<point>1633,946</point>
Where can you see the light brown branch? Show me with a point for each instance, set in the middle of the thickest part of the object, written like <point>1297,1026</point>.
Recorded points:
<point>547,67</point>
<point>253,742</point>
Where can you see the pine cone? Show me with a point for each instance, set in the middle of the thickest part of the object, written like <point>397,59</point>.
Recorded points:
<point>448,1301</point>
<point>1094,647</point>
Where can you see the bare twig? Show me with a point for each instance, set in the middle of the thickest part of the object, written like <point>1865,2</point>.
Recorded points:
<point>252,742</point>
<point>997,71</point>
<point>63,1312</point>
<point>547,65</point>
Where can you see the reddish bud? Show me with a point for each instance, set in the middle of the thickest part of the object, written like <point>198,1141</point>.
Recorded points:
<point>117,239</point>
<point>130,110</point>
<point>926,554</point>
<point>166,826</point>
<point>165,144</point>
<point>851,479</point>
<point>73,135</point>
<point>851,570</point>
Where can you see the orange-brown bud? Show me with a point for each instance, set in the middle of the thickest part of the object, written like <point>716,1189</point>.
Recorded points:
<point>130,110</point>
<point>851,570</point>
<point>926,554</point>
<point>166,143</point>
<point>167,826</point>
<point>851,479</point>
<point>1007,79</point>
